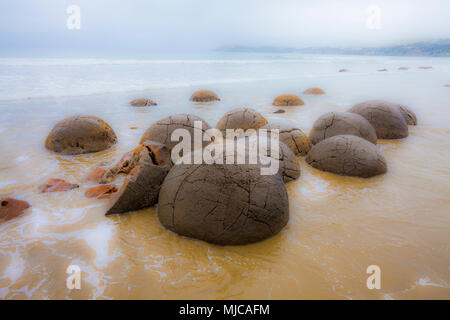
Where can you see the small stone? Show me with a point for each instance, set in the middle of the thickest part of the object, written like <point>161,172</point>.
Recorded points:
<point>56,185</point>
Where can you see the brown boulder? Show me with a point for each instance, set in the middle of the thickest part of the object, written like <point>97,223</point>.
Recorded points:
<point>11,208</point>
<point>410,117</point>
<point>425,68</point>
<point>241,118</point>
<point>314,90</point>
<point>338,123</point>
<point>162,130</point>
<point>227,204</point>
<point>279,111</point>
<point>142,102</point>
<point>150,165</point>
<point>347,155</point>
<point>291,136</point>
<point>101,192</point>
<point>80,134</point>
<point>204,96</point>
<point>385,118</point>
<point>285,100</point>
<point>402,68</point>
<point>56,185</point>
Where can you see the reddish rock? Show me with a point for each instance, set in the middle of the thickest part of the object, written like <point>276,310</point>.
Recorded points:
<point>95,175</point>
<point>101,192</point>
<point>402,68</point>
<point>280,111</point>
<point>343,70</point>
<point>55,185</point>
<point>11,208</point>
<point>425,68</point>
<point>382,70</point>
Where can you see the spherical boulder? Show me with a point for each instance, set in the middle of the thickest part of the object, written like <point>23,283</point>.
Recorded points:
<point>142,102</point>
<point>347,155</point>
<point>241,118</point>
<point>80,134</point>
<point>408,114</point>
<point>204,96</point>
<point>314,90</point>
<point>285,100</point>
<point>385,118</point>
<point>338,123</point>
<point>161,131</point>
<point>225,204</point>
<point>290,135</point>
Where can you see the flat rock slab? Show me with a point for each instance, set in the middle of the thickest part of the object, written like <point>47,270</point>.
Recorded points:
<point>56,185</point>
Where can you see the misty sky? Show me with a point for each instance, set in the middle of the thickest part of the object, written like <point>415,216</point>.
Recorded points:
<point>38,27</point>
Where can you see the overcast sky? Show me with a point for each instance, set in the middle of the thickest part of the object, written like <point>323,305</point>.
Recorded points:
<point>29,27</point>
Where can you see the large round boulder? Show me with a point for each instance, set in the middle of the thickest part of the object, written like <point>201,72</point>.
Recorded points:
<point>347,155</point>
<point>408,114</point>
<point>314,91</point>
<point>204,96</point>
<point>161,131</point>
<point>285,100</point>
<point>385,118</point>
<point>80,134</point>
<point>225,204</point>
<point>290,135</point>
<point>338,123</point>
<point>241,118</point>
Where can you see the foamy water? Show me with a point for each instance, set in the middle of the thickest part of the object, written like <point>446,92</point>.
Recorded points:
<point>338,225</point>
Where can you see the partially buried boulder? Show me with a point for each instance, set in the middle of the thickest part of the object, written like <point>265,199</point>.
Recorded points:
<point>385,118</point>
<point>347,155</point>
<point>56,185</point>
<point>408,114</point>
<point>11,208</point>
<point>80,134</point>
<point>241,118</point>
<point>338,123</point>
<point>290,135</point>
<point>142,102</point>
<point>150,164</point>
<point>228,204</point>
<point>285,100</point>
<point>204,96</point>
<point>314,90</point>
<point>161,131</point>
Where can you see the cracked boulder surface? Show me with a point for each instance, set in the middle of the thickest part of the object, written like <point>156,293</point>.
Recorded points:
<point>338,123</point>
<point>228,204</point>
<point>408,114</point>
<point>314,90</point>
<point>241,118</point>
<point>142,102</point>
<point>204,96</point>
<point>291,136</point>
<point>11,208</point>
<point>385,118</point>
<point>162,130</point>
<point>79,135</point>
<point>285,100</point>
<point>148,165</point>
<point>347,155</point>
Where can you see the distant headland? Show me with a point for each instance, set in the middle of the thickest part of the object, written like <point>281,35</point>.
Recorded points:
<point>426,48</point>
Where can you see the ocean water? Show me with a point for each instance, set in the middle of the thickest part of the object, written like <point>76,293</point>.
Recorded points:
<point>338,225</point>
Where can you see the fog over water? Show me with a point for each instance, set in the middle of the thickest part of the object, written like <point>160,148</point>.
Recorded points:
<point>141,28</point>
